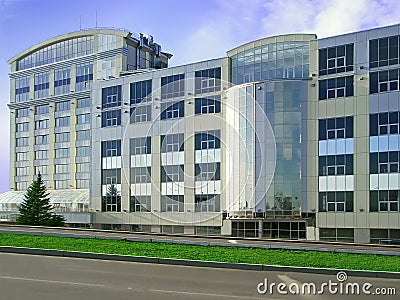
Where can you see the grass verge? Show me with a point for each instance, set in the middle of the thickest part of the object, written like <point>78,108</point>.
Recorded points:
<point>293,258</point>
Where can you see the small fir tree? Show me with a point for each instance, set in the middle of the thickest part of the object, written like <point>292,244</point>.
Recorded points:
<point>36,207</point>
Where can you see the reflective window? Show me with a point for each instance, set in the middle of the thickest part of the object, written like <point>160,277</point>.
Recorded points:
<point>62,122</point>
<point>111,148</point>
<point>42,170</point>
<point>42,124</point>
<point>336,87</point>
<point>111,118</point>
<point>84,77</point>
<point>172,143</point>
<point>335,128</point>
<point>209,105</point>
<point>82,151</point>
<point>23,112</point>
<point>62,169</point>
<point>384,81</point>
<point>42,139</point>
<point>384,200</point>
<point>22,89</point>
<point>83,167</point>
<point>384,51</point>
<point>207,203</point>
<point>62,81</point>
<point>384,123</point>
<point>140,203</point>
<point>111,96</point>
<point>63,106</point>
<point>172,203</point>
<point>85,102</point>
<point>208,81</point>
<point>172,110</point>
<point>22,156</point>
<point>106,42</point>
<point>140,145</point>
<point>43,109</point>
<point>83,119</point>
<point>140,91</point>
<point>22,171</point>
<point>140,113</point>
<point>173,86</point>
<point>141,175</point>
<point>62,137</point>
<point>83,135</point>
<point>336,59</point>
<point>22,142</point>
<point>384,162</point>
<point>22,127</point>
<point>61,51</point>
<point>42,83</point>
<point>274,60</point>
<point>62,152</point>
<point>336,165</point>
<point>172,173</point>
<point>208,140</point>
<point>336,201</point>
<point>41,154</point>
<point>207,171</point>
<point>106,68</point>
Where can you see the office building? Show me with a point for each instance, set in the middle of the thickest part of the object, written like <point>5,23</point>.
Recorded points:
<point>289,136</point>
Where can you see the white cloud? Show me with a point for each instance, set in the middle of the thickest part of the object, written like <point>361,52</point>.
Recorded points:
<point>327,18</point>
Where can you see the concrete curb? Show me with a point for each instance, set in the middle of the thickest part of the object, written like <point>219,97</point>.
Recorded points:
<point>192,263</point>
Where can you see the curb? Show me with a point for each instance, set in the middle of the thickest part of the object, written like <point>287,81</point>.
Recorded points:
<point>193,263</point>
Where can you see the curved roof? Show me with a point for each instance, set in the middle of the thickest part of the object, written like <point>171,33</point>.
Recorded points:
<point>273,39</point>
<point>67,36</point>
<point>56,196</point>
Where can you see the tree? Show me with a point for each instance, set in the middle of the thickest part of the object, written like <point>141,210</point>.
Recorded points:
<point>36,207</point>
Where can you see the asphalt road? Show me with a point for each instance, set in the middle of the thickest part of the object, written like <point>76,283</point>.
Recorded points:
<point>42,277</point>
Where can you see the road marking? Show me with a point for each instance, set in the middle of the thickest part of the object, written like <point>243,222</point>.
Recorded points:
<point>51,281</point>
<point>206,294</point>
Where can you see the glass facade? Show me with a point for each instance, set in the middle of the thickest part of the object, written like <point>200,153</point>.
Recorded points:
<point>61,51</point>
<point>274,60</point>
<point>281,102</point>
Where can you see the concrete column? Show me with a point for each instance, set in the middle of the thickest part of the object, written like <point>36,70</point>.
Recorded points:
<point>361,235</point>
<point>72,144</point>
<point>51,141</point>
<point>260,229</point>
<point>13,113</point>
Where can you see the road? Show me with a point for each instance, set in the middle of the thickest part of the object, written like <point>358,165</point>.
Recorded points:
<point>42,277</point>
<point>292,244</point>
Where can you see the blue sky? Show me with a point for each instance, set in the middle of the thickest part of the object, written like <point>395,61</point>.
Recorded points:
<point>192,30</point>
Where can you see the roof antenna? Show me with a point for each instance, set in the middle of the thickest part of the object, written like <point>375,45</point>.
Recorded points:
<point>80,22</point>
<point>96,18</point>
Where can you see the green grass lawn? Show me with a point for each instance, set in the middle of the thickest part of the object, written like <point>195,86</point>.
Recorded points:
<point>295,258</point>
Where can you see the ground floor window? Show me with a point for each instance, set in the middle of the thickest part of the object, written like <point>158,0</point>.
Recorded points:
<point>174,229</point>
<point>379,236</point>
<point>284,230</point>
<point>207,230</point>
<point>245,228</point>
<point>336,234</point>
<point>110,226</point>
<point>141,228</point>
